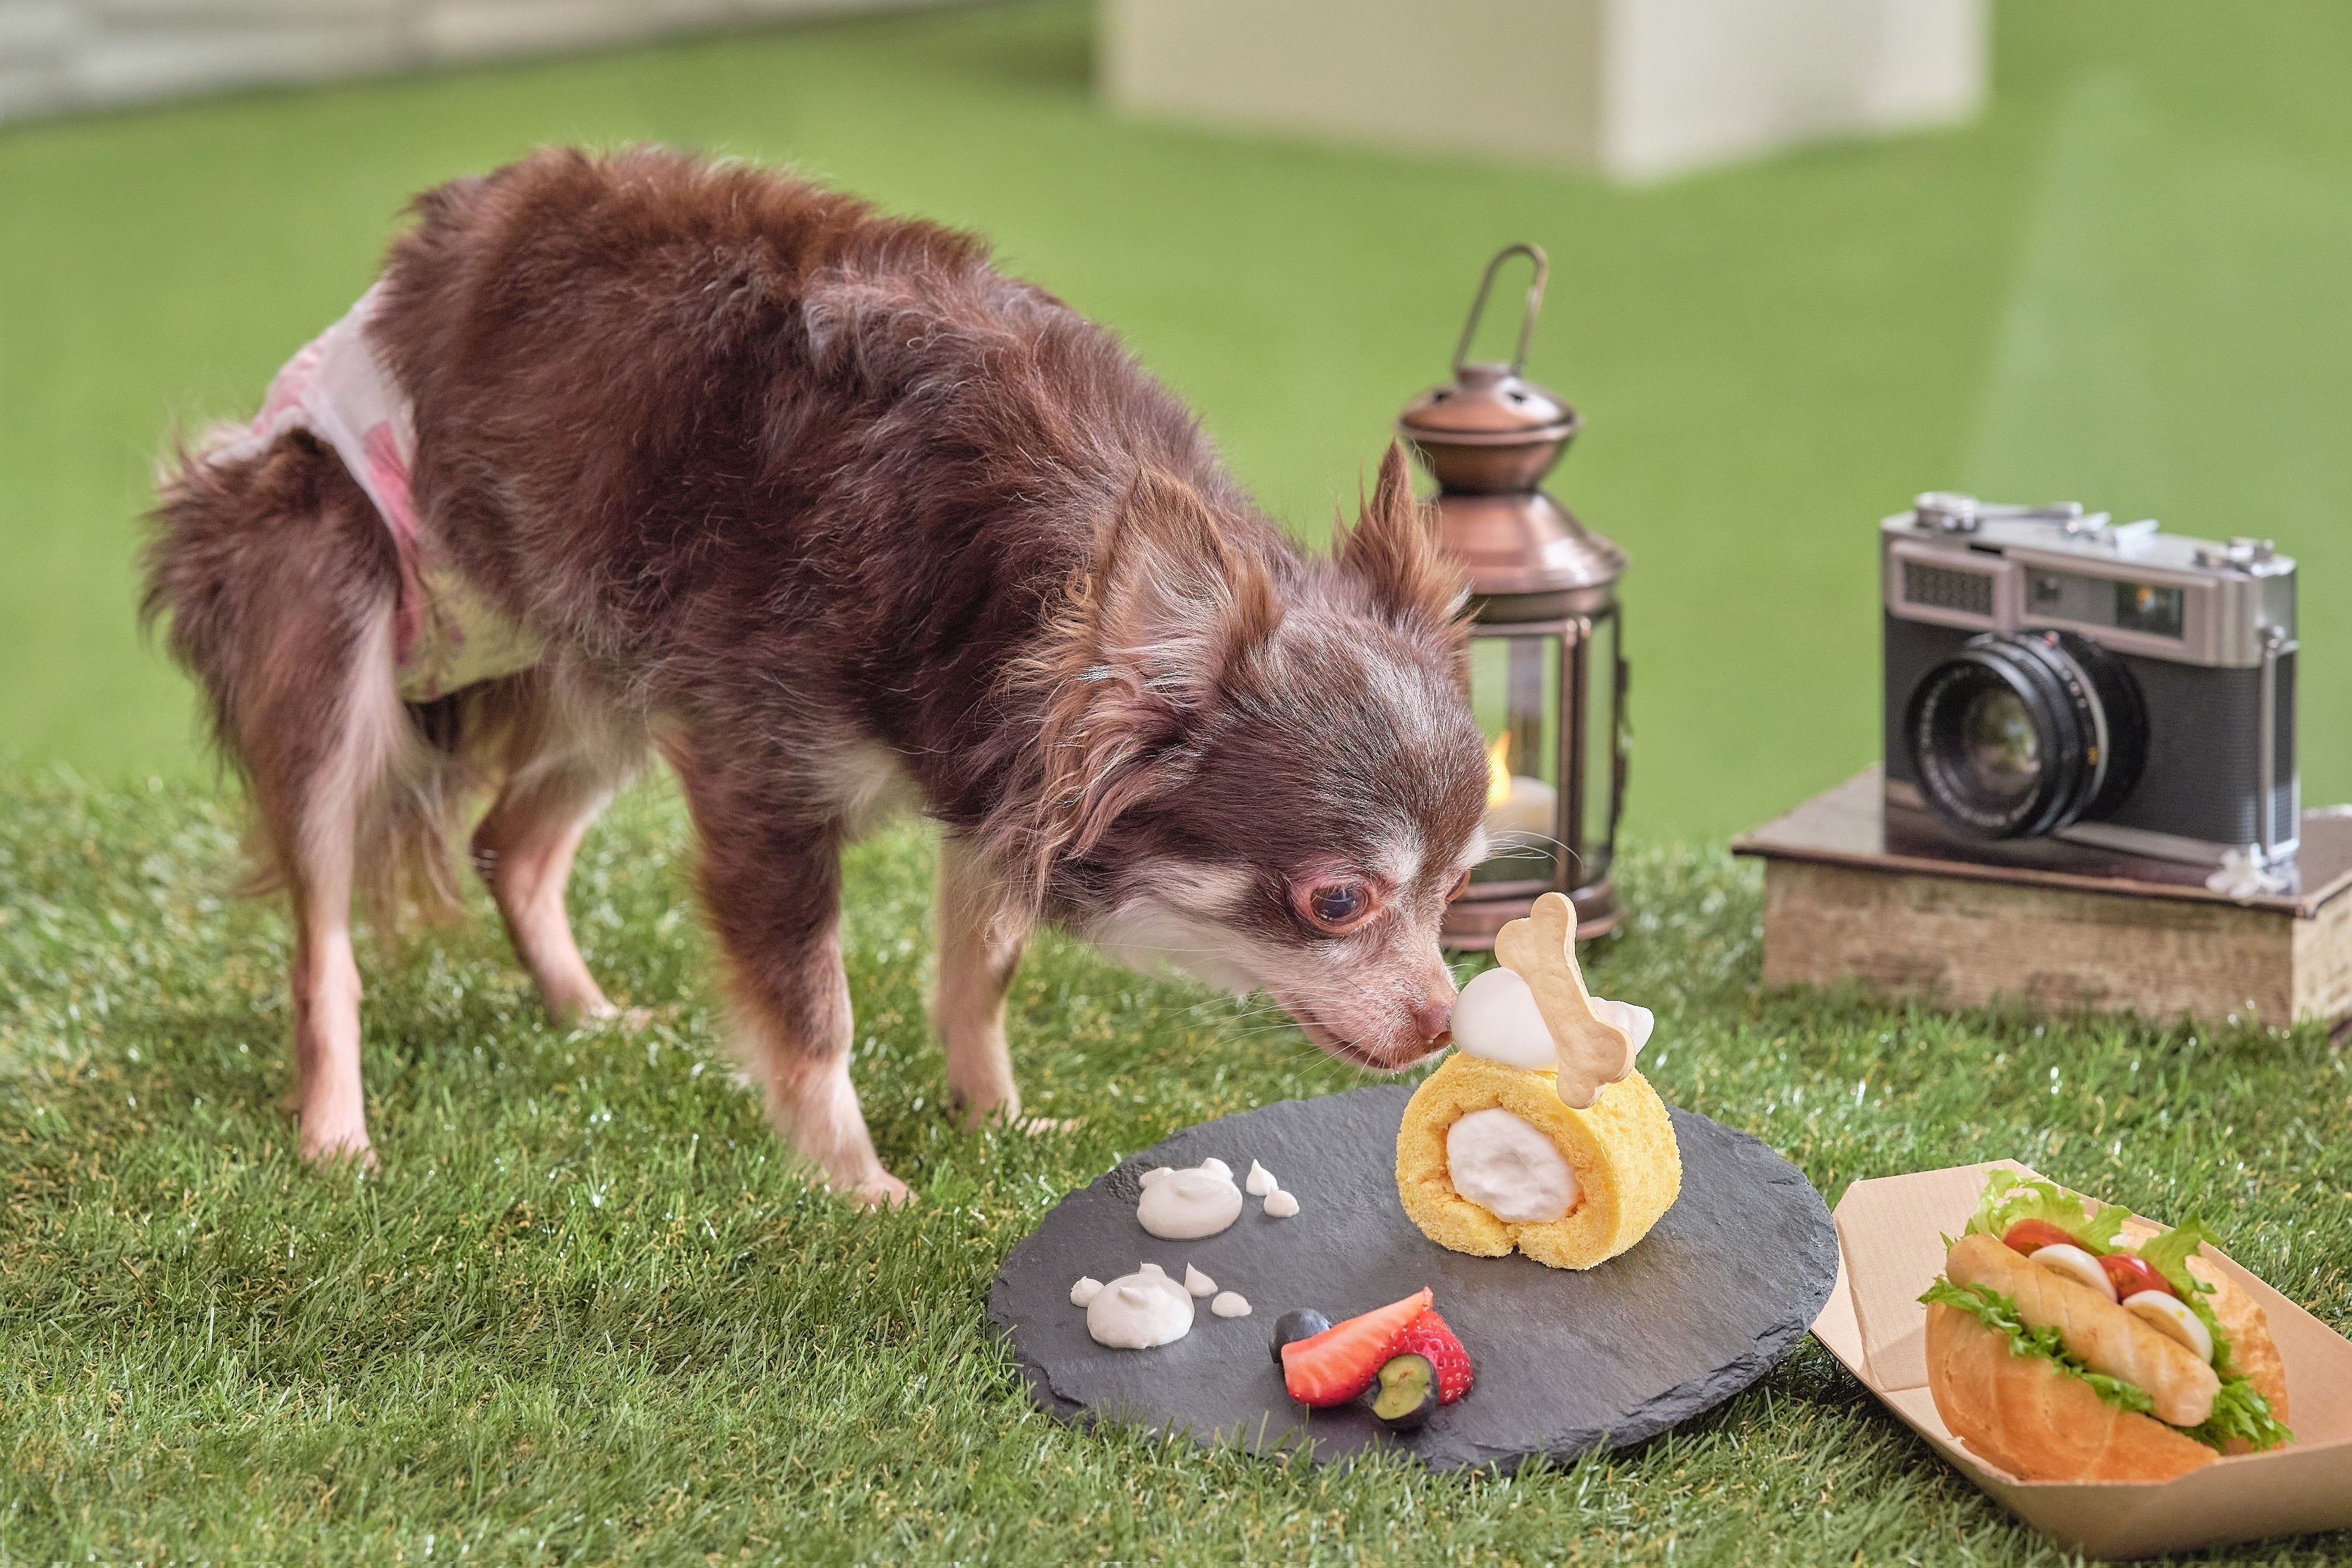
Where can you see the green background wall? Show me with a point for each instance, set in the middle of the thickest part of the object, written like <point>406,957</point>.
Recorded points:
<point>2127,283</point>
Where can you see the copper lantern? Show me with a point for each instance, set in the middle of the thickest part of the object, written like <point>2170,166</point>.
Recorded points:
<point>1547,672</point>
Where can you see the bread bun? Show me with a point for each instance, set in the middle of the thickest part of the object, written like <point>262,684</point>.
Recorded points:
<point>2022,1414</point>
<point>2181,1383</point>
<point>2253,1355</point>
<point>2036,1422</point>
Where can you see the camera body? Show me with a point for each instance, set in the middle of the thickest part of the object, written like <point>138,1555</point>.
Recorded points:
<point>2056,678</point>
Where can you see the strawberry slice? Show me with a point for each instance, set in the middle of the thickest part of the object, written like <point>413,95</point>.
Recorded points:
<point>1340,1362</point>
<point>1430,1337</point>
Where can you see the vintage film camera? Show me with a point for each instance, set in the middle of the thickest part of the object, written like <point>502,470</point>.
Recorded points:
<point>2059,686</point>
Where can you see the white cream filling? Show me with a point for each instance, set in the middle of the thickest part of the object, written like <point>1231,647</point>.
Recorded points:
<point>1138,1311</point>
<point>1186,1206</point>
<point>1510,1168</point>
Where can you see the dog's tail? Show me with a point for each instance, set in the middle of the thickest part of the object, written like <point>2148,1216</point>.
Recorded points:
<point>277,584</point>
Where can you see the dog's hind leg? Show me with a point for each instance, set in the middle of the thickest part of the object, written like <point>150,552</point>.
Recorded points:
<point>329,1103</point>
<point>317,803</point>
<point>983,929</point>
<point>279,581</point>
<point>560,773</point>
<point>770,876</point>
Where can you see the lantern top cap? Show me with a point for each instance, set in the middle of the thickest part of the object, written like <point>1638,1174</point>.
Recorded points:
<point>1489,401</point>
<point>1486,403</point>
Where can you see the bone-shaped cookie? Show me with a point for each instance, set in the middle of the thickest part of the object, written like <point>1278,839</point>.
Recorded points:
<point>1541,950</point>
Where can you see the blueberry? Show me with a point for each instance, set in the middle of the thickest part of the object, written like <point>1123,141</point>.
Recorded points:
<point>1408,1392</point>
<point>1304,1323</point>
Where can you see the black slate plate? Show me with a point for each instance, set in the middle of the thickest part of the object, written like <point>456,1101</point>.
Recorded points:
<point>1567,1361</point>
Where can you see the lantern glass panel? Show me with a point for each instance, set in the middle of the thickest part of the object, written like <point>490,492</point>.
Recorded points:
<point>1515,693</point>
<point>1603,719</point>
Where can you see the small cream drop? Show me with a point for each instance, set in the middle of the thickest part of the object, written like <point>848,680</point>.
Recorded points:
<point>1083,1292</point>
<point>1157,1173</point>
<point>1281,1205</point>
<point>1151,1268</point>
<point>1230,1304</point>
<point>1261,1181</point>
<point>1197,1283</point>
<point>1219,1167</point>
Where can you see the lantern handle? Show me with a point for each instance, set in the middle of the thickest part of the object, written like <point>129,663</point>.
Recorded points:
<point>1533,253</point>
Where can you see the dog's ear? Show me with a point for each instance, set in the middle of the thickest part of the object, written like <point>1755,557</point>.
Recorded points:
<point>1175,601</point>
<point>1392,549</point>
<point>1141,646</point>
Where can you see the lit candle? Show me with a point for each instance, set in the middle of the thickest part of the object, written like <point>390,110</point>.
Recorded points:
<point>1515,804</point>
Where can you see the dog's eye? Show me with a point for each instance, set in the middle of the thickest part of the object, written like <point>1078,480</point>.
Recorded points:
<point>1461,885</point>
<point>1335,906</point>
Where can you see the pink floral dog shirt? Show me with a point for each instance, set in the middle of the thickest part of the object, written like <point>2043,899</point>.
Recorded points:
<point>446,634</point>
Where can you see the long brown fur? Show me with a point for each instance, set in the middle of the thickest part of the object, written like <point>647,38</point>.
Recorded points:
<point>834,514</point>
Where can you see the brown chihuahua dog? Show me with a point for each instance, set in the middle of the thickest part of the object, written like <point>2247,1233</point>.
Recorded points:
<point>644,452</point>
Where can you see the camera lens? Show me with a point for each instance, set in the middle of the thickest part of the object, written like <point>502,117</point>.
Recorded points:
<point>2021,733</point>
<point>2002,754</point>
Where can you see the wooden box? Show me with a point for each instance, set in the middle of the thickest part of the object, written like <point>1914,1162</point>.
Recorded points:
<point>1856,892</point>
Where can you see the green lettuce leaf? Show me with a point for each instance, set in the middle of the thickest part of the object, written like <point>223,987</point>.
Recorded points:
<point>1999,1313</point>
<point>2010,1197</point>
<point>2168,1255</point>
<point>2241,1411</point>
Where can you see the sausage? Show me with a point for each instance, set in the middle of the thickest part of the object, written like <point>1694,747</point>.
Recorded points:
<point>2102,1335</point>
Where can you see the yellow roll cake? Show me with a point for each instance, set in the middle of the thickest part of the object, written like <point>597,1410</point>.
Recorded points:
<point>1538,1135</point>
<point>1620,1152</point>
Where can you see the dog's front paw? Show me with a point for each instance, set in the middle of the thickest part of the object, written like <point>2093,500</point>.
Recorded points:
<point>330,1145</point>
<point>1038,1126</point>
<point>622,1020</point>
<point>879,1190</point>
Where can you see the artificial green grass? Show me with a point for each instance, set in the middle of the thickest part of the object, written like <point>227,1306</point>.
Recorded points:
<point>585,1312</point>
<point>2124,283</point>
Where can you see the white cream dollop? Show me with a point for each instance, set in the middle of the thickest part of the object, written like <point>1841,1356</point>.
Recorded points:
<point>1197,1283</point>
<point>1188,1204</point>
<point>1281,1205</point>
<point>1219,1166</point>
<point>1230,1304</point>
<point>1085,1290</point>
<point>1507,1167</point>
<point>1261,1181</point>
<point>1497,1017</point>
<point>1636,1020</point>
<point>1138,1311</point>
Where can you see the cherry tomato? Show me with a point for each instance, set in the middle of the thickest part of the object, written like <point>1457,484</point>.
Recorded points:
<point>2028,1235</point>
<point>2129,1273</point>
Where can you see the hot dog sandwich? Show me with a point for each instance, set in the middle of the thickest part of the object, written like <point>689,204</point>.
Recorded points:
<point>2066,1344</point>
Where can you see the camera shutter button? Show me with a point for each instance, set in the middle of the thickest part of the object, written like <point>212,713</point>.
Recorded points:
<point>2241,551</point>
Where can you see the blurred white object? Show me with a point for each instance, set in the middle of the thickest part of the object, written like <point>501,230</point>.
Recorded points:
<point>1638,90</point>
<point>2243,876</point>
<point>60,55</point>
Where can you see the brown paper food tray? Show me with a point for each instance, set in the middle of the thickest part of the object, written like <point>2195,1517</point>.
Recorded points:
<point>1890,1241</point>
